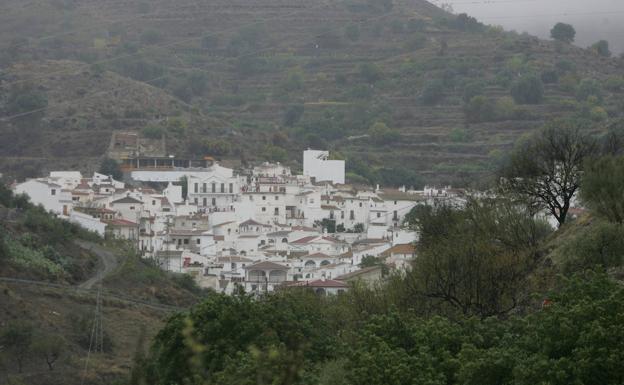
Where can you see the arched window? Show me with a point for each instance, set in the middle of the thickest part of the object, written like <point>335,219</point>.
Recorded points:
<point>277,276</point>
<point>325,263</point>
<point>257,276</point>
<point>310,264</point>
<point>284,240</point>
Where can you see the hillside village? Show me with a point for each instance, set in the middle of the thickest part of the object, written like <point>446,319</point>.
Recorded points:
<point>258,228</point>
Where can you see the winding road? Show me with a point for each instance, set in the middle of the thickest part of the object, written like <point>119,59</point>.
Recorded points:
<point>108,263</point>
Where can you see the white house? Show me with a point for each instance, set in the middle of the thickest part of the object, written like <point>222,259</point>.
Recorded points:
<point>50,195</point>
<point>316,164</point>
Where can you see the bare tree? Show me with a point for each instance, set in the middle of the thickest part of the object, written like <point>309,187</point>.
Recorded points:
<point>545,170</point>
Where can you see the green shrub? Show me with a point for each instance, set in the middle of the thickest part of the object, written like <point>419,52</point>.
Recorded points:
<point>153,132</point>
<point>563,32</point>
<point>433,93</point>
<point>528,89</point>
<point>151,36</point>
<point>380,133</point>
<point>588,88</point>
<point>601,48</point>
<point>472,89</point>
<point>370,72</point>
<point>352,32</point>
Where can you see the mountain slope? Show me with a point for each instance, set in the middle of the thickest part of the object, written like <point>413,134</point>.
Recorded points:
<point>253,78</point>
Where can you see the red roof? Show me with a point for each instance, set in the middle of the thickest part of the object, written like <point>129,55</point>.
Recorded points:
<point>120,223</point>
<point>305,240</point>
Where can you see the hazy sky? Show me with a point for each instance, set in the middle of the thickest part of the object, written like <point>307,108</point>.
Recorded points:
<point>593,19</point>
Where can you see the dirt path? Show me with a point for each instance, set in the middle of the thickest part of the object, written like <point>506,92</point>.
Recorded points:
<point>108,263</point>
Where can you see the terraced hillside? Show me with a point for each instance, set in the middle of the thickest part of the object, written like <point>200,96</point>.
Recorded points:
<point>406,92</point>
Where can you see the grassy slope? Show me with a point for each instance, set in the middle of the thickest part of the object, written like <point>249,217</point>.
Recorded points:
<point>41,249</point>
<point>280,38</point>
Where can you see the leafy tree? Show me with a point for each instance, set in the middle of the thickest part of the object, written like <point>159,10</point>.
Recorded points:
<point>472,89</point>
<point>476,260</point>
<point>545,170</point>
<point>372,261</point>
<point>217,147</point>
<point>17,338</point>
<point>352,32</point>
<point>293,114</point>
<point>602,187</point>
<point>50,347</point>
<point>151,37</point>
<point>329,225</point>
<point>602,48</point>
<point>370,72</point>
<point>111,167</point>
<point>563,32</point>
<point>528,89</point>
<point>294,81</point>
<point>598,245</point>
<point>588,88</point>
<point>152,132</point>
<point>274,153</point>
<point>433,93</point>
<point>380,133</point>
<point>480,109</point>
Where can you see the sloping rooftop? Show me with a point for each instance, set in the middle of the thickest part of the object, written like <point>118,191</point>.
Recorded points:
<point>266,265</point>
<point>126,200</point>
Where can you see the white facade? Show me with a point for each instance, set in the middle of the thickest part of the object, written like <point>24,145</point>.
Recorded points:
<point>317,165</point>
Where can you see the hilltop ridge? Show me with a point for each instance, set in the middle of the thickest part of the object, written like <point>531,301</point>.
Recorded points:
<point>263,80</point>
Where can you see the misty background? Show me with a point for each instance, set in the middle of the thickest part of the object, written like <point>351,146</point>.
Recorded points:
<point>593,19</point>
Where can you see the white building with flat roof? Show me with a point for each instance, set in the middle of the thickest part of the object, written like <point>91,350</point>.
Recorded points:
<point>316,164</point>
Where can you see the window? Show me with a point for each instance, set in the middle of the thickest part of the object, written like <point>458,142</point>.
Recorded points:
<point>276,198</point>
<point>222,187</point>
<point>360,204</point>
<point>378,215</point>
<point>204,188</point>
<point>231,188</point>
<point>263,197</point>
<point>276,211</point>
<point>131,207</point>
<point>153,203</point>
<point>75,198</point>
<point>196,188</point>
<point>233,265</point>
<point>186,241</point>
<point>229,231</point>
<point>196,201</point>
<point>263,209</point>
<point>214,187</point>
<point>395,202</point>
<point>205,202</point>
<point>198,241</point>
<point>395,215</point>
<point>352,215</point>
<point>284,240</point>
<point>342,215</point>
<point>214,201</point>
<point>251,197</point>
<point>53,191</point>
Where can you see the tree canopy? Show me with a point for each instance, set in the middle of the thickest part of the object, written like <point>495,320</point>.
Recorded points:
<point>563,32</point>
<point>545,169</point>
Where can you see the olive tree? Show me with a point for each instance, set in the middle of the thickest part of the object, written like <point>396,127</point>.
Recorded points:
<point>563,32</point>
<point>545,169</point>
<point>602,188</point>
